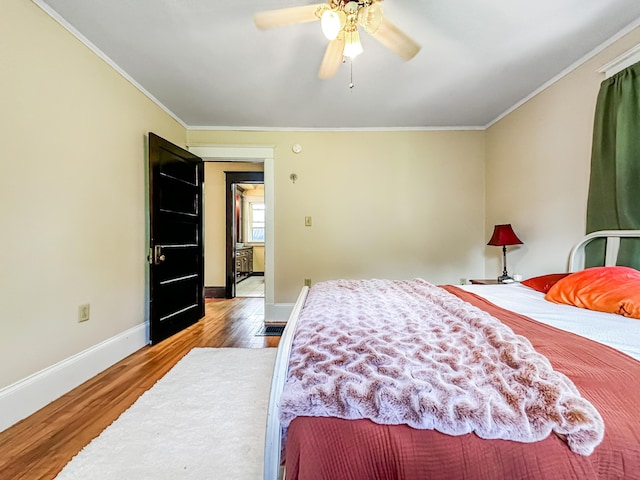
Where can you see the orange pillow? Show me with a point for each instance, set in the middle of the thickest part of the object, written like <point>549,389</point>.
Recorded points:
<point>604,289</point>
<point>544,282</point>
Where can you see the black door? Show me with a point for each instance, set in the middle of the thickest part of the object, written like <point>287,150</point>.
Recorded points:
<point>176,254</point>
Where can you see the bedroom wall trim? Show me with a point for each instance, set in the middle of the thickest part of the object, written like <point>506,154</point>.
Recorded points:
<point>84,40</point>
<point>214,292</point>
<point>26,396</point>
<point>222,128</point>
<point>567,71</point>
<point>71,29</point>
<point>278,312</point>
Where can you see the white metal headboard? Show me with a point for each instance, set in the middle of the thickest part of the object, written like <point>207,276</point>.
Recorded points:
<point>576,257</point>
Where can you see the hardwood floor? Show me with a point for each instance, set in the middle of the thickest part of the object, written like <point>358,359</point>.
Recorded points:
<point>39,446</point>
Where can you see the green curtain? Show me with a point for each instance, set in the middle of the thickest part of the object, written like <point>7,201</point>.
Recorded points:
<point>614,187</point>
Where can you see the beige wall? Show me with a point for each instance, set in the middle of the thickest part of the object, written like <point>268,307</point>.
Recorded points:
<point>72,193</point>
<point>215,218</point>
<point>538,163</point>
<point>258,258</point>
<point>383,204</point>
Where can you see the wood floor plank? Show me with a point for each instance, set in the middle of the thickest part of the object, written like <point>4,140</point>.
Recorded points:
<point>38,447</point>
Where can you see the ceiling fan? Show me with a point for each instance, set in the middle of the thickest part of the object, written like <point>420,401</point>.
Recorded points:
<point>339,20</point>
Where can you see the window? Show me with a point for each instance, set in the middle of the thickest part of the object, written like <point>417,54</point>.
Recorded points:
<point>256,222</point>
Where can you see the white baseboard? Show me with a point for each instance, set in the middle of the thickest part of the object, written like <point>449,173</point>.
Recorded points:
<point>26,396</point>
<point>277,312</point>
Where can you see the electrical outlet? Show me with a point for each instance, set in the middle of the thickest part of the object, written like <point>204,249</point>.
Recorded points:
<point>307,282</point>
<point>307,221</point>
<point>84,312</point>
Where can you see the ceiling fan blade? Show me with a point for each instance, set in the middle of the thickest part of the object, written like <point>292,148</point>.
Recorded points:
<point>396,40</point>
<point>332,58</point>
<point>286,16</point>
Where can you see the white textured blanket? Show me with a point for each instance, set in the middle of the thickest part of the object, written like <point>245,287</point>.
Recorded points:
<point>408,352</point>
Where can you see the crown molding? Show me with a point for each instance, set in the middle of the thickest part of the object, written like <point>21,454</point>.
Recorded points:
<point>334,129</point>
<point>73,31</point>
<point>59,19</point>
<point>607,43</point>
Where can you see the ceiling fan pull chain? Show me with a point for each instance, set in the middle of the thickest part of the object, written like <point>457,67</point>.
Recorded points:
<point>351,85</point>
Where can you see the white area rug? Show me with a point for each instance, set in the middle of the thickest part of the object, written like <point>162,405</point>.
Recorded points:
<point>205,419</point>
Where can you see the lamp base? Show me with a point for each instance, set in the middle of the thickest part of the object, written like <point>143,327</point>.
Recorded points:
<point>505,279</point>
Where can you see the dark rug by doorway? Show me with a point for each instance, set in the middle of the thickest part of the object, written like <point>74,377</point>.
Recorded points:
<point>270,331</point>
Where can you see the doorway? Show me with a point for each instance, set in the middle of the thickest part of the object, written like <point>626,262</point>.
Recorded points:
<point>250,208</point>
<point>265,155</point>
<point>245,231</point>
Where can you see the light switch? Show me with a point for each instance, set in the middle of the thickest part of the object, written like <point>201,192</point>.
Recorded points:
<point>307,221</point>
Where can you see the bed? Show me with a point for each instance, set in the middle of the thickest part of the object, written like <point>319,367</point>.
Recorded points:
<point>593,356</point>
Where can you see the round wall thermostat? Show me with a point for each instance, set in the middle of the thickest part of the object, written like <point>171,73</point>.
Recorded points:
<point>296,147</point>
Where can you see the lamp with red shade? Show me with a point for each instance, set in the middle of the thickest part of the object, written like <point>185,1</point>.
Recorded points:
<point>504,235</point>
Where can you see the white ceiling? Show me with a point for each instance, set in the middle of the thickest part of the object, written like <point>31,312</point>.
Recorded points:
<point>207,63</point>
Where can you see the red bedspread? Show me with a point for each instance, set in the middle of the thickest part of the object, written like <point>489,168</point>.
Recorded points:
<point>331,448</point>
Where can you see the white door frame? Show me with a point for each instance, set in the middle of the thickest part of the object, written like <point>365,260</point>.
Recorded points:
<point>262,154</point>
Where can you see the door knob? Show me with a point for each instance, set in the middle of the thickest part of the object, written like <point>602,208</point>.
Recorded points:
<point>158,256</point>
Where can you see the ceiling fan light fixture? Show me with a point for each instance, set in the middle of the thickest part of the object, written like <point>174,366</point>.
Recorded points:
<point>340,20</point>
<point>352,45</point>
<point>370,17</point>
<point>331,24</point>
